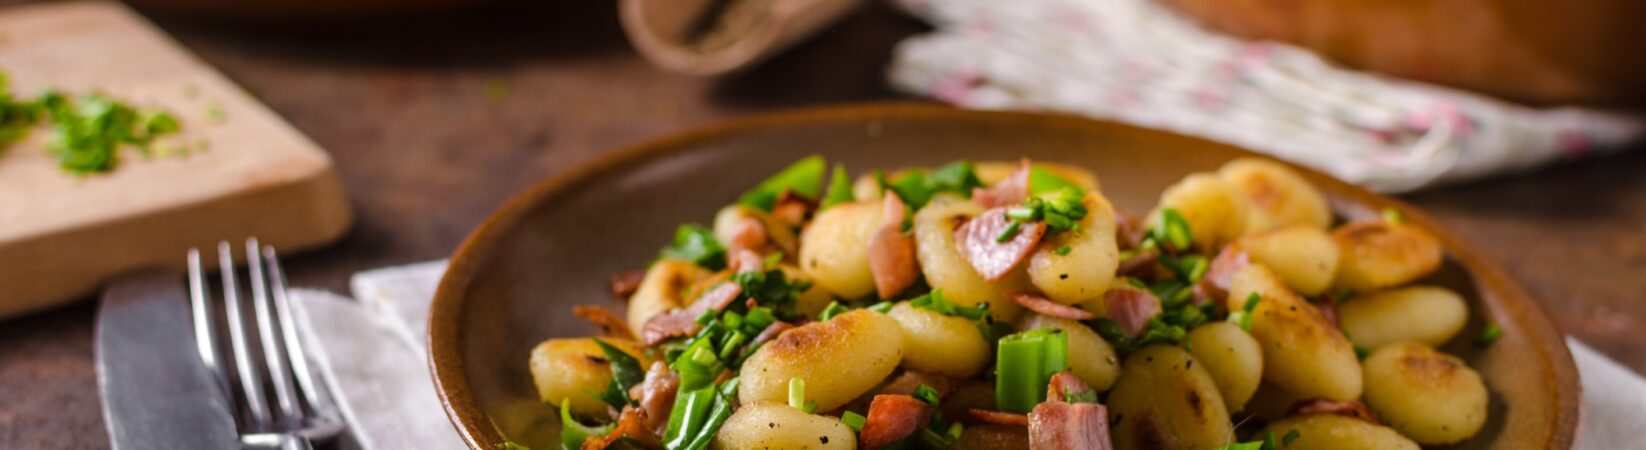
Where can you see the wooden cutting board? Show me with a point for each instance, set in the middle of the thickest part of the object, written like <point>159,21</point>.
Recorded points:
<point>249,173</point>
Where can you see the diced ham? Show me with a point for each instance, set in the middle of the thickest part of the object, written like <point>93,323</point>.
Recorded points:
<point>683,322</point>
<point>1140,265</point>
<point>623,284</point>
<point>1010,191</point>
<point>1047,307</point>
<point>792,208</point>
<point>1131,308</point>
<point>976,240</point>
<point>611,324</point>
<point>892,418</point>
<point>1222,270</point>
<point>1351,409</point>
<point>892,253</point>
<point>1129,231</point>
<point>771,332</point>
<point>631,423</point>
<point>909,380</point>
<point>1064,384</point>
<point>1069,426</point>
<point>1000,418</point>
<point>655,394</point>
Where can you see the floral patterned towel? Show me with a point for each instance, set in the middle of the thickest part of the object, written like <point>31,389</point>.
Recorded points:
<point>1136,61</point>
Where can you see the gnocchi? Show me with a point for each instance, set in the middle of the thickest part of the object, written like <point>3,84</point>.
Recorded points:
<point>1232,358</point>
<point>569,369</point>
<point>839,360</point>
<point>936,343</point>
<point>1376,254</point>
<point>1277,195</point>
<point>1430,315</point>
<point>768,425</point>
<point>1304,257</point>
<point>1078,266</point>
<point>1165,400</point>
<point>1431,397</point>
<point>1334,432</point>
<point>1301,351</point>
<point>1214,209</point>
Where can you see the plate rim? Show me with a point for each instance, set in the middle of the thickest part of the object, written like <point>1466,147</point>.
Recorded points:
<point>446,361</point>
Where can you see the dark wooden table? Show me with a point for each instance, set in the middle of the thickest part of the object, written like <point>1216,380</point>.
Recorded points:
<point>409,109</point>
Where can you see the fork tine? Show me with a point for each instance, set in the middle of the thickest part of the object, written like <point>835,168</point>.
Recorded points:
<point>251,384</point>
<point>317,398</point>
<point>205,335</point>
<point>274,355</point>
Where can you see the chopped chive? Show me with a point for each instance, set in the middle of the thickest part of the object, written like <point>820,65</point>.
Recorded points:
<point>926,394</point>
<point>840,188</point>
<point>1025,364</point>
<point>1022,213</point>
<point>1061,251</point>
<point>1007,234</point>
<point>834,309</point>
<point>1290,436</point>
<point>572,432</point>
<point>853,420</point>
<point>1489,335</point>
<point>881,307</point>
<point>797,393</point>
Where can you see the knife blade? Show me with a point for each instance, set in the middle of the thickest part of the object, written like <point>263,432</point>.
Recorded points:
<point>156,393</point>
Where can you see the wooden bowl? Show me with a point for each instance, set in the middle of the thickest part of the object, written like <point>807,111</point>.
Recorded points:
<point>514,281</point>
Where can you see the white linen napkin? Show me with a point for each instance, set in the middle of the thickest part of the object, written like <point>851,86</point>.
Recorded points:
<point>372,351</point>
<point>1137,61</point>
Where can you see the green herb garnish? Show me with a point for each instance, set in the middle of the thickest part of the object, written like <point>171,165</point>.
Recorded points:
<point>626,372</point>
<point>917,187</point>
<point>804,177</point>
<point>697,244</point>
<point>1061,251</point>
<point>572,432</point>
<point>840,188</point>
<point>1489,335</point>
<point>1025,363</point>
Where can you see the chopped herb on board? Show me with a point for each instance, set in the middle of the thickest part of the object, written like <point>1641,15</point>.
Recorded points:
<point>88,132</point>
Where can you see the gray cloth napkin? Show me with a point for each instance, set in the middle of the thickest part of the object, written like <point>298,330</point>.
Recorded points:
<point>372,352</point>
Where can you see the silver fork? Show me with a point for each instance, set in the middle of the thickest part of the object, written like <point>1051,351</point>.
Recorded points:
<point>302,411</point>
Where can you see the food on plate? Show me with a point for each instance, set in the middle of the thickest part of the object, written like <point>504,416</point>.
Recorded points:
<point>1012,305</point>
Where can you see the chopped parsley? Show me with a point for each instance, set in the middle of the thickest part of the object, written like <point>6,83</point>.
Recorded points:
<point>917,187</point>
<point>697,244</point>
<point>1489,335</point>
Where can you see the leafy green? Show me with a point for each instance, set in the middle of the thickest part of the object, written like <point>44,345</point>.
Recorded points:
<point>917,187</point>
<point>771,287</point>
<point>1042,181</point>
<point>1172,230</point>
<point>927,394</point>
<point>804,177</point>
<point>834,309</point>
<point>840,188</point>
<point>626,372</point>
<point>697,244</point>
<point>1290,436</point>
<point>16,117</point>
<point>935,302</point>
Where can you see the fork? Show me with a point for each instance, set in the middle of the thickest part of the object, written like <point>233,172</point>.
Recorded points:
<point>302,412</point>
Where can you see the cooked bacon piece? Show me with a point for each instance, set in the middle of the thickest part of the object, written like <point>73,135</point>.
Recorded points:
<point>1069,426</point>
<point>683,322</point>
<point>656,395</point>
<point>988,436</point>
<point>745,260</point>
<point>1140,265</point>
<point>631,423</point>
<point>793,208</point>
<point>1000,418</point>
<point>1064,384</point>
<point>1129,232</point>
<point>771,332</point>
<point>1131,308</point>
<point>1047,307</point>
<point>892,253</point>
<point>611,324</point>
<point>993,260</point>
<point>1222,270</point>
<point>1010,191</point>
<point>623,284</point>
<point>1352,409</point>
<point>909,380</point>
<point>892,418</point>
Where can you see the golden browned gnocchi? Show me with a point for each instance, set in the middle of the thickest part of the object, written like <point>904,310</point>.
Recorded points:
<point>1334,432</point>
<point>568,369</point>
<point>945,268</point>
<point>1277,195</point>
<point>839,360</point>
<point>936,343</point>
<point>1376,254</point>
<point>1430,315</point>
<point>1165,400</point>
<point>834,249</point>
<point>1301,351</point>
<point>768,425</point>
<point>1431,397</point>
<point>1010,305</point>
<point>1231,357</point>
<point>1078,266</point>
<point>1214,209</point>
<point>1303,256</point>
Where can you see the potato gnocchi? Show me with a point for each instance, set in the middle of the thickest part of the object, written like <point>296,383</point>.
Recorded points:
<point>1041,318</point>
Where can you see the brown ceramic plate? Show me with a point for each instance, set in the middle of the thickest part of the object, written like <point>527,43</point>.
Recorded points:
<point>514,281</point>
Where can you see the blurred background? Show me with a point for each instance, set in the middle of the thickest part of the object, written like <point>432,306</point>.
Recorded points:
<point>434,112</point>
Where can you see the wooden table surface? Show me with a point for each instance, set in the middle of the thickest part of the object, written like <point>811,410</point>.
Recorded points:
<point>435,121</point>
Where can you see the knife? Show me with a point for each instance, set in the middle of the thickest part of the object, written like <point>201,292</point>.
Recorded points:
<point>156,393</point>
